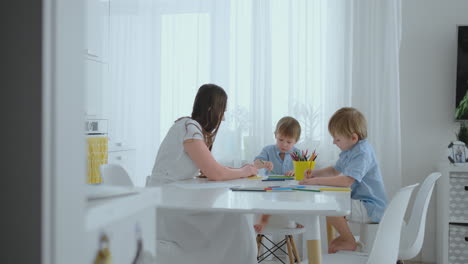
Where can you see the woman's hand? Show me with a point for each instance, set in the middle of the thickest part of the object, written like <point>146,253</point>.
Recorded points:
<point>289,173</point>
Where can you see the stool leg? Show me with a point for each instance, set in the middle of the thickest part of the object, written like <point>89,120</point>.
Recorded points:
<point>330,233</point>
<point>290,254</point>
<point>259,241</point>
<point>296,254</point>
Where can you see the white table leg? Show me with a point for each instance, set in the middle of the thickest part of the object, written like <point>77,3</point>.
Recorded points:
<point>312,238</point>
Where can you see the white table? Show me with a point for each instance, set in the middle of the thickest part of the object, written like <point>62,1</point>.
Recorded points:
<point>203,195</point>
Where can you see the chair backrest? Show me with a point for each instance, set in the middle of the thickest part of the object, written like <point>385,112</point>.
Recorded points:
<point>113,174</point>
<point>147,181</point>
<point>387,239</point>
<point>413,233</point>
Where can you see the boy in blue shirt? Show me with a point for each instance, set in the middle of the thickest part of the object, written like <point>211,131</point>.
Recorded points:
<point>357,168</point>
<point>276,158</point>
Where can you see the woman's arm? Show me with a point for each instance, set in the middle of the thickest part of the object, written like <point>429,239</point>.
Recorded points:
<point>338,181</point>
<point>202,157</point>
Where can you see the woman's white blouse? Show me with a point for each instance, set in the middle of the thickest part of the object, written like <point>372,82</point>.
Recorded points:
<point>172,162</point>
<point>196,237</point>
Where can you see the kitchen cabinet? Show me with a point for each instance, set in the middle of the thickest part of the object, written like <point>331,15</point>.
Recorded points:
<point>94,88</point>
<point>97,29</point>
<point>128,222</point>
<point>96,55</point>
<point>123,237</point>
<point>452,213</point>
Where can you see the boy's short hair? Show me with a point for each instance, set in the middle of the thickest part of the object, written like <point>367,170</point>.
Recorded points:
<point>288,127</point>
<point>346,121</point>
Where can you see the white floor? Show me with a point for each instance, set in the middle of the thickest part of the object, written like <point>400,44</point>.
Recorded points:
<point>287,262</point>
<point>275,262</point>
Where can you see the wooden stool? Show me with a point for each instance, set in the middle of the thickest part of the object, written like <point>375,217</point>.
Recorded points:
<point>331,233</point>
<point>288,240</point>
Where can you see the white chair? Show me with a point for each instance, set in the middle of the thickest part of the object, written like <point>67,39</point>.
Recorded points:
<point>412,236</point>
<point>367,234</point>
<point>147,180</point>
<point>413,233</point>
<point>387,239</point>
<point>113,174</point>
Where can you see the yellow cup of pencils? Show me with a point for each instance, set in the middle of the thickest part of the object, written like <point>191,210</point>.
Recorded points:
<point>300,167</point>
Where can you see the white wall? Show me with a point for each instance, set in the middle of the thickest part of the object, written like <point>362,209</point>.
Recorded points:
<point>427,75</point>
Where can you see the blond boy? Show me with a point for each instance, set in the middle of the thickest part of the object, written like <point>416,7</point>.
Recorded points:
<point>357,168</point>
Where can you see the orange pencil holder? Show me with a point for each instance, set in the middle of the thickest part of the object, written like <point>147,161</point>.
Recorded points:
<point>300,167</point>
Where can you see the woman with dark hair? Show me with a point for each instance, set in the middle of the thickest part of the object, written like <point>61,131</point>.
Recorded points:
<point>185,237</point>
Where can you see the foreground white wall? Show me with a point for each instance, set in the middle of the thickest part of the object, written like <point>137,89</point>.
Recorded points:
<point>427,74</point>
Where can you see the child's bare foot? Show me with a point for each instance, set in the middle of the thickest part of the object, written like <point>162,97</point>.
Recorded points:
<point>341,243</point>
<point>259,227</point>
<point>262,223</point>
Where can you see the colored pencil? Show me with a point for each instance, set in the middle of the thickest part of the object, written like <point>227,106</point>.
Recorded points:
<point>305,190</point>
<point>335,190</point>
<point>278,189</point>
<point>274,179</point>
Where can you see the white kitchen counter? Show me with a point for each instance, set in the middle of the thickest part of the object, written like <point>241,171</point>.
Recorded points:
<point>101,212</point>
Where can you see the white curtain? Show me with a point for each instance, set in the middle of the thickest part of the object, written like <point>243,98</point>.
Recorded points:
<point>375,80</point>
<point>131,99</point>
<point>274,58</point>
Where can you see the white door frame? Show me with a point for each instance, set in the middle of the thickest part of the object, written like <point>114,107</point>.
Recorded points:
<point>63,148</point>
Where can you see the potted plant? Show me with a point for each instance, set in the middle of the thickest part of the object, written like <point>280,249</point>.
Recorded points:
<point>462,134</point>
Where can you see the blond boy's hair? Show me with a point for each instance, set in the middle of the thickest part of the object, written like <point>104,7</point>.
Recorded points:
<point>346,121</point>
<point>288,127</point>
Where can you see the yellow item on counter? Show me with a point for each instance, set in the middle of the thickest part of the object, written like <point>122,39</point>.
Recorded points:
<point>97,155</point>
<point>103,255</point>
<point>300,167</point>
